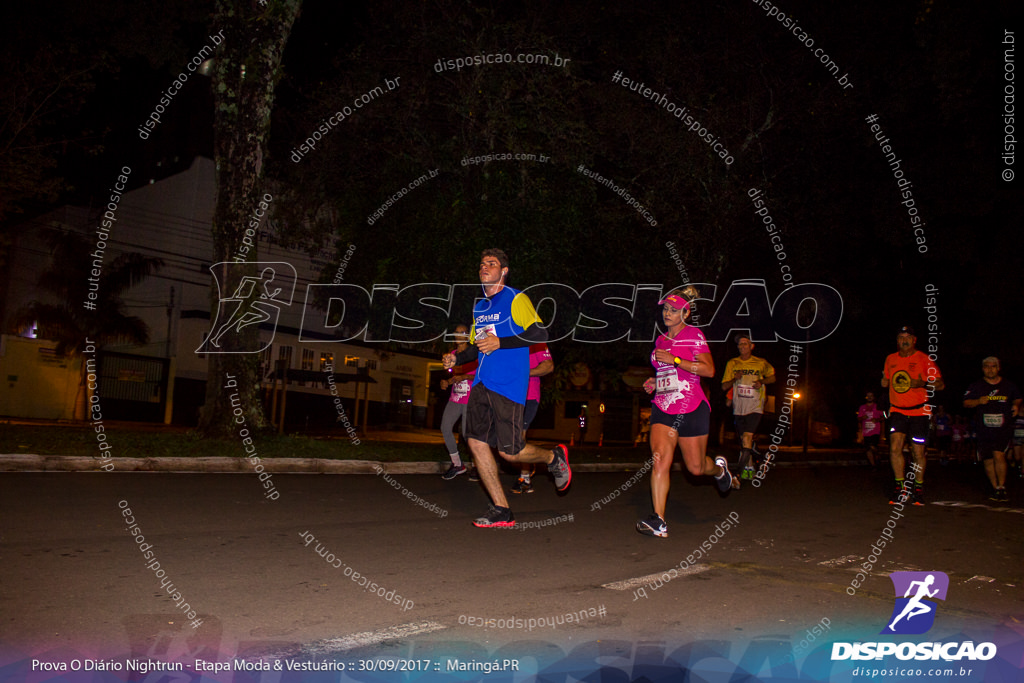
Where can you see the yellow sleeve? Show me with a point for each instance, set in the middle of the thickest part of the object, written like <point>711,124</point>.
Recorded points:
<point>767,370</point>
<point>523,313</point>
<point>727,376</point>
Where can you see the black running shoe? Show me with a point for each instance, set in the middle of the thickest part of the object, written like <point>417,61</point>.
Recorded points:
<point>522,486</point>
<point>725,481</point>
<point>559,467</point>
<point>496,518</point>
<point>654,525</point>
<point>899,495</point>
<point>917,498</point>
<point>453,472</point>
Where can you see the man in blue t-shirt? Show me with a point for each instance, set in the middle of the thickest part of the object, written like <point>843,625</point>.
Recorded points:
<point>504,325</point>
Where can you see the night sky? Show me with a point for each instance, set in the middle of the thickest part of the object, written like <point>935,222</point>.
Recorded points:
<point>932,72</point>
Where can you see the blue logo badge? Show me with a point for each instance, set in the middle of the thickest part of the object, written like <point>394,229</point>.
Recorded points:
<point>915,608</point>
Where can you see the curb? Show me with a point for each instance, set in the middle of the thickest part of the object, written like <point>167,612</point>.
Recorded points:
<point>231,465</point>
<point>240,465</point>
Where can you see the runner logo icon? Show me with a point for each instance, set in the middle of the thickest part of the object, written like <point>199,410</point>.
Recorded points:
<point>914,612</point>
<point>255,300</point>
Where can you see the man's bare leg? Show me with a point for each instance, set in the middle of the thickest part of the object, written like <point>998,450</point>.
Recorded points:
<point>1000,459</point>
<point>487,468</point>
<point>896,453</point>
<point>530,454</point>
<point>747,440</point>
<point>920,459</point>
<point>995,468</point>
<point>558,467</point>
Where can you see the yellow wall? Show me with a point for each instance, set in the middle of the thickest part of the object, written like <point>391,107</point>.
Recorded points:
<point>36,384</point>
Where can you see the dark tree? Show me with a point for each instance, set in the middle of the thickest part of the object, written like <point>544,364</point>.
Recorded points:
<point>246,72</point>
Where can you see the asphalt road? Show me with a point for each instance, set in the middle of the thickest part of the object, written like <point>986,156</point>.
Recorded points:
<point>75,580</point>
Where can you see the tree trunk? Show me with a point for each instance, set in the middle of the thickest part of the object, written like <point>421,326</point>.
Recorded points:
<point>246,70</point>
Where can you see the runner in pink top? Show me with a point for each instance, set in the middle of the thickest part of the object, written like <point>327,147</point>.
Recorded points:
<point>539,354</point>
<point>680,413</point>
<point>455,410</point>
<point>870,418</point>
<point>460,387</point>
<point>678,389</point>
<point>541,363</point>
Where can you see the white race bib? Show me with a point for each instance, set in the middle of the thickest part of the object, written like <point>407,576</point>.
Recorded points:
<point>868,425</point>
<point>667,381</point>
<point>747,391</point>
<point>460,389</point>
<point>993,419</point>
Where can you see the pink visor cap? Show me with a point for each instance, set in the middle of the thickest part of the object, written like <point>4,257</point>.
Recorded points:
<point>675,301</point>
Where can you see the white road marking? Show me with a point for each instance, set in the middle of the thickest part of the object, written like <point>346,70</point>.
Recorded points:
<point>350,642</point>
<point>630,584</point>
<point>964,504</point>
<point>840,561</point>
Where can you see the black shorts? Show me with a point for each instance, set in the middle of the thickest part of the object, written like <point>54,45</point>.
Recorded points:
<point>747,424</point>
<point>697,423</point>
<point>530,412</point>
<point>495,420</point>
<point>914,426</point>
<point>872,441</point>
<point>992,440</point>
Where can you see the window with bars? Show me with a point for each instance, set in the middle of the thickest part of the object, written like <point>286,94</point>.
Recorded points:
<point>284,356</point>
<point>307,364</point>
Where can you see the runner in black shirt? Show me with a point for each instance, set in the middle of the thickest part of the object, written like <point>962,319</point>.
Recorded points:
<point>997,401</point>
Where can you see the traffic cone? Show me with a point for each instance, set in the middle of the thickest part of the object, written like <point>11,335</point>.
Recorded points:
<point>572,440</point>
<point>600,441</point>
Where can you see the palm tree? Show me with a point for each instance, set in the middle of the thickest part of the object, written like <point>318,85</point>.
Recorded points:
<point>63,317</point>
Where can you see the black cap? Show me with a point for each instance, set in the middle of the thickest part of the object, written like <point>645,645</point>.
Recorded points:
<point>736,339</point>
<point>906,329</point>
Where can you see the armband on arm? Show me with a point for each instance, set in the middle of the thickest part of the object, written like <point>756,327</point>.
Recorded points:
<point>469,355</point>
<point>534,334</point>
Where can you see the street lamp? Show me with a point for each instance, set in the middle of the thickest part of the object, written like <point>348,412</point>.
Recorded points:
<point>796,397</point>
<point>807,426</point>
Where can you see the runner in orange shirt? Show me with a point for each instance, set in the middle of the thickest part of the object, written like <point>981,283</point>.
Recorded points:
<point>910,376</point>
